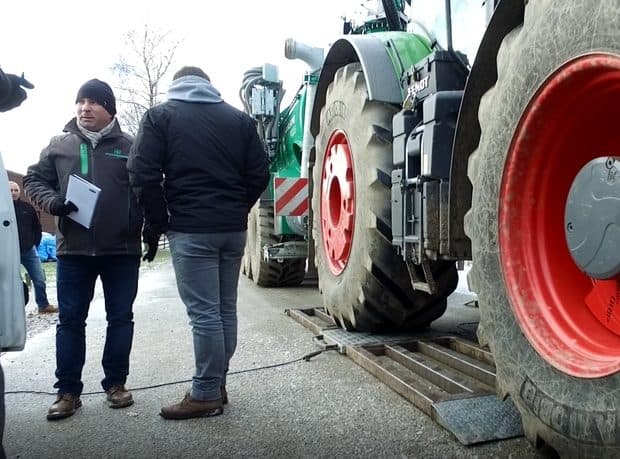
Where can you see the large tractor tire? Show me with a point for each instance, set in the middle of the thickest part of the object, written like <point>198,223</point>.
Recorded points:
<point>554,108</point>
<point>250,244</point>
<point>285,273</point>
<point>364,283</point>
<point>246,261</point>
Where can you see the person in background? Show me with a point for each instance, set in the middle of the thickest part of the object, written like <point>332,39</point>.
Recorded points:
<point>12,94</point>
<point>213,167</point>
<point>29,228</point>
<point>93,147</point>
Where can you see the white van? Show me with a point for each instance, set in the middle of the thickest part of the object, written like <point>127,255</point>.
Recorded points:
<point>12,310</point>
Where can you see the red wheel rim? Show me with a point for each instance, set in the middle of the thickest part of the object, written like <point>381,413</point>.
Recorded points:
<point>337,202</point>
<point>571,120</point>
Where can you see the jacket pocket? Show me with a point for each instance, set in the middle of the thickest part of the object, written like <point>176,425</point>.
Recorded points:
<point>70,231</point>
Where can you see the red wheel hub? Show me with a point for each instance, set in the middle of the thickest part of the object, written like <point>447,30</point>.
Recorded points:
<point>337,202</point>
<point>570,319</point>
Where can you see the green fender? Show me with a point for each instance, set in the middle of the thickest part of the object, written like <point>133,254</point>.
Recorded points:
<point>384,56</point>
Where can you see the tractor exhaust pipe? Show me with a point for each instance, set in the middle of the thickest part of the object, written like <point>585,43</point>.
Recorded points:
<point>314,57</point>
<point>311,56</point>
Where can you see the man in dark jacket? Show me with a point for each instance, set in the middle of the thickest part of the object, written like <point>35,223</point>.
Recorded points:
<point>29,228</point>
<point>94,148</point>
<point>202,161</point>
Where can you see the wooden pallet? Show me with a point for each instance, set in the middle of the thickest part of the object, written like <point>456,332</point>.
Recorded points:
<point>449,378</point>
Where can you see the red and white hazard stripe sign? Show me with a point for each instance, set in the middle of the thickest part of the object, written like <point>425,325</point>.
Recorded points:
<point>291,196</point>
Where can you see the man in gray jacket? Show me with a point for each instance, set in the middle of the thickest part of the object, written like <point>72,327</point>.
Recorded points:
<point>94,148</point>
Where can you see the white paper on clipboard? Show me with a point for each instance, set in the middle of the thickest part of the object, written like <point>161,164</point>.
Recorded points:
<point>84,195</point>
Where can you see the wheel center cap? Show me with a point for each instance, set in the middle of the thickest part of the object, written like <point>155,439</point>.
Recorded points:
<point>592,218</point>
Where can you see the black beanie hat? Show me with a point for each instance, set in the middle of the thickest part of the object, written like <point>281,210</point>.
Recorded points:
<point>100,92</point>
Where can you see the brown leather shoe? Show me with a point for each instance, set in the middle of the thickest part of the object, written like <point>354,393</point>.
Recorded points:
<point>49,309</point>
<point>191,408</point>
<point>118,397</point>
<point>65,405</point>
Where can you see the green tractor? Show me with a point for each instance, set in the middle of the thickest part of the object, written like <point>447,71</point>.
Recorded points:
<point>398,159</point>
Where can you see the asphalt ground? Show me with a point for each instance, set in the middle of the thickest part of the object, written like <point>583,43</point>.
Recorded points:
<point>327,407</point>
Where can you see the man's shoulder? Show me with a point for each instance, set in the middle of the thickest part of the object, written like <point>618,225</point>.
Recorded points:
<point>161,108</point>
<point>222,111</point>
<point>231,113</point>
<point>63,139</point>
<point>223,105</point>
<point>159,112</point>
<point>127,137</point>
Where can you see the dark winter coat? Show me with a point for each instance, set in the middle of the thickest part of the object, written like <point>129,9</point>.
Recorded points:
<point>28,225</point>
<point>117,220</point>
<point>208,156</point>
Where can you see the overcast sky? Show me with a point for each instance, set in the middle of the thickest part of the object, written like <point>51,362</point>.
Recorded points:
<point>60,44</point>
<point>63,43</point>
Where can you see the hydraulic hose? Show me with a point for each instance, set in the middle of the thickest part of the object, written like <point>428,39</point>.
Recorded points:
<point>267,125</point>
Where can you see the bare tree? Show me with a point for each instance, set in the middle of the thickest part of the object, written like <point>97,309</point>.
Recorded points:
<point>146,60</point>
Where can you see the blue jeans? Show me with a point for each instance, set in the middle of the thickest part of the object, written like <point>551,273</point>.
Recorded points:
<point>31,261</point>
<point>207,266</point>
<point>76,287</point>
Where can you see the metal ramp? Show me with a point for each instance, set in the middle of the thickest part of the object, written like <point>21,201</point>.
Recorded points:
<point>449,378</point>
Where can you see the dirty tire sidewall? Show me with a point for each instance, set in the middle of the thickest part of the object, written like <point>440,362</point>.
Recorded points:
<point>577,417</point>
<point>373,292</point>
<point>273,273</point>
<point>246,261</point>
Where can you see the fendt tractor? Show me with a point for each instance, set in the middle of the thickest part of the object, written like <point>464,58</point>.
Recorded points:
<point>397,159</point>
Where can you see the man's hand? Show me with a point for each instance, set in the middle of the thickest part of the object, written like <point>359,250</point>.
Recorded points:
<point>151,240</point>
<point>12,93</point>
<point>61,208</point>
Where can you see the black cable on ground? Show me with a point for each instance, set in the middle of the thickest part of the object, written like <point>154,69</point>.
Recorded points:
<point>305,357</point>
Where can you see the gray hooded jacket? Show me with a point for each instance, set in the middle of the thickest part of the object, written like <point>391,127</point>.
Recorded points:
<point>208,156</point>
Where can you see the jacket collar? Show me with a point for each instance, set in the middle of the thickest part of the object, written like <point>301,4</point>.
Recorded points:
<point>73,128</point>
